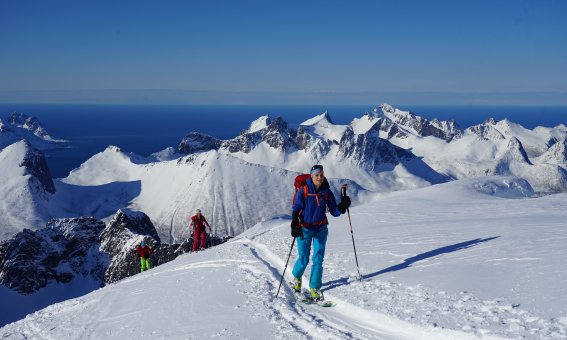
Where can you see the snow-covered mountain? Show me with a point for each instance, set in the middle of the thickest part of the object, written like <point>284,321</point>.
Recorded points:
<point>408,121</point>
<point>388,146</point>
<point>76,255</point>
<point>232,193</point>
<point>365,158</point>
<point>248,179</point>
<point>227,179</point>
<point>385,150</point>
<point>503,147</point>
<point>18,126</point>
<point>25,188</point>
<point>476,265</point>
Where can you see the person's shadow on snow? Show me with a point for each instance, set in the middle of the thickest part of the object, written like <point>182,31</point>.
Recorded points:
<point>411,260</point>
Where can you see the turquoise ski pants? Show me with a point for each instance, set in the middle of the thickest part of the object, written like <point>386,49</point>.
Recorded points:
<point>317,235</point>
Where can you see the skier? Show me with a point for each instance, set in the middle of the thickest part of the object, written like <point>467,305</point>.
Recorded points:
<point>197,225</point>
<point>144,253</point>
<point>309,225</point>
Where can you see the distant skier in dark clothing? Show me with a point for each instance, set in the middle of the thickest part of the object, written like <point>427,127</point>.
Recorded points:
<point>197,224</point>
<point>309,225</point>
<point>144,253</point>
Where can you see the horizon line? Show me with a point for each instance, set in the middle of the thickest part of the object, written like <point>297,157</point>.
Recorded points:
<point>214,97</point>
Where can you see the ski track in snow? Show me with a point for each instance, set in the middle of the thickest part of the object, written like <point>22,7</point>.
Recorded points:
<point>236,282</point>
<point>344,322</point>
<point>368,309</point>
<point>371,300</point>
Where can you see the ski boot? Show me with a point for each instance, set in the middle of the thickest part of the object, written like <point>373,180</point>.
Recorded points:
<point>316,295</point>
<point>296,285</point>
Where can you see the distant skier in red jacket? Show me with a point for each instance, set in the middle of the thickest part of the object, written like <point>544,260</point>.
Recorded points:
<point>197,224</point>
<point>144,253</point>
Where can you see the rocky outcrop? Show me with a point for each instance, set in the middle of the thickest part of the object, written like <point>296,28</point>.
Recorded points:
<point>369,151</point>
<point>446,130</point>
<point>275,134</point>
<point>515,154</point>
<point>32,124</point>
<point>18,126</point>
<point>82,247</point>
<point>121,236</point>
<point>198,142</point>
<point>556,154</point>
<point>58,253</point>
<point>486,130</point>
<point>35,165</point>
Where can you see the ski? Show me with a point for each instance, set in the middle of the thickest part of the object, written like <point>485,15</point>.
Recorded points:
<point>321,303</point>
<point>305,298</point>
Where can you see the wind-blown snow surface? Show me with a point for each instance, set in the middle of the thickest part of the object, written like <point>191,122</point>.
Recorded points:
<point>450,261</point>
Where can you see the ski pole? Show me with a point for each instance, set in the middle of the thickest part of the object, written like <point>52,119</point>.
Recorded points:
<point>286,262</point>
<point>343,194</point>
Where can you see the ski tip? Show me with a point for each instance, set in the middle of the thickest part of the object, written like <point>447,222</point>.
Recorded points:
<point>326,303</point>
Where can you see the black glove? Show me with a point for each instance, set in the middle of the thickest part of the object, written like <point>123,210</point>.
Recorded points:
<point>345,203</point>
<point>296,229</point>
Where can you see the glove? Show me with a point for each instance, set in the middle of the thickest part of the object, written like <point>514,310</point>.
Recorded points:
<point>296,230</point>
<point>345,203</point>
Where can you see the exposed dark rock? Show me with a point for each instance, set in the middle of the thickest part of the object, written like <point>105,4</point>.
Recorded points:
<point>446,130</point>
<point>72,247</point>
<point>368,150</point>
<point>29,123</point>
<point>198,142</point>
<point>35,165</point>
<point>62,250</point>
<point>487,130</point>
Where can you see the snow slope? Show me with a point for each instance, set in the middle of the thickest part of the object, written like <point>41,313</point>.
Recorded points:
<point>25,188</point>
<point>451,261</point>
<point>232,193</point>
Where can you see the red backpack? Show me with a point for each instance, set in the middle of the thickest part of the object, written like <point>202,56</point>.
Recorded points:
<point>301,182</point>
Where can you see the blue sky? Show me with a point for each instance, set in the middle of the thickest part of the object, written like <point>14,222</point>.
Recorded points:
<point>284,52</point>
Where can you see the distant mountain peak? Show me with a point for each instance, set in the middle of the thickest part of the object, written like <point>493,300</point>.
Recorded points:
<point>556,154</point>
<point>446,130</point>
<point>35,164</point>
<point>321,119</point>
<point>19,126</point>
<point>259,124</point>
<point>266,122</point>
<point>515,152</point>
<point>29,123</point>
<point>195,142</point>
<point>385,107</point>
<point>32,162</point>
<point>486,130</point>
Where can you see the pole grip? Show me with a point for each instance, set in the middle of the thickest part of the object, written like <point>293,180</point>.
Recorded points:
<point>343,190</point>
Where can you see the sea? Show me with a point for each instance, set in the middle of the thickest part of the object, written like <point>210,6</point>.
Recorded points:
<point>146,129</point>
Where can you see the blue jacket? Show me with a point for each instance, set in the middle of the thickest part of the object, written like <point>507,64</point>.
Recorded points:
<point>310,211</point>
